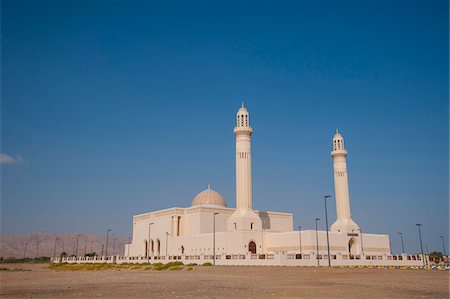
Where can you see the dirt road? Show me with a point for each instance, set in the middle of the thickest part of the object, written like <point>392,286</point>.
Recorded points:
<point>37,281</point>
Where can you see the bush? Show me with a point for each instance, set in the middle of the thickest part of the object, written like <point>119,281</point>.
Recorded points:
<point>192,264</point>
<point>207,264</point>
<point>189,268</point>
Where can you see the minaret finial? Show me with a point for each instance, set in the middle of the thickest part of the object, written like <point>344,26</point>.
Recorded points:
<point>209,186</point>
<point>337,131</point>
<point>242,103</point>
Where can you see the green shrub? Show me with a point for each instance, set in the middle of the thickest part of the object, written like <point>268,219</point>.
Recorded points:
<point>207,264</point>
<point>176,268</point>
<point>189,268</point>
<point>192,264</point>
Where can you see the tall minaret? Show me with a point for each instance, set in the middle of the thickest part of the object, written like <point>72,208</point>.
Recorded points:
<point>344,222</point>
<point>242,132</point>
<point>244,218</point>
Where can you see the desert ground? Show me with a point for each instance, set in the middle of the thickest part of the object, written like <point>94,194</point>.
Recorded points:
<point>39,281</point>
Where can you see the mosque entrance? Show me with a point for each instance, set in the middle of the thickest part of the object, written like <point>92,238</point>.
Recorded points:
<point>352,247</point>
<point>252,247</point>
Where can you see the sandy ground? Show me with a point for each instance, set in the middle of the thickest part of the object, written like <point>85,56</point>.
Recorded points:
<point>223,282</point>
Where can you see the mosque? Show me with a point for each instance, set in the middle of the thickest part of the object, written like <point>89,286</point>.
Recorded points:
<point>209,230</point>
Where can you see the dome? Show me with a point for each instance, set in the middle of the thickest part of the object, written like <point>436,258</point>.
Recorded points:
<point>209,197</point>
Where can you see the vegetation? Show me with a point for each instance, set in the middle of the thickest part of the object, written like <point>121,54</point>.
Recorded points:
<point>207,264</point>
<point>125,266</point>
<point>13,260</point>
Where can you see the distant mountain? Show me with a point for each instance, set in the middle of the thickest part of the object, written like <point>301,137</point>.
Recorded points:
<point>14,245</point>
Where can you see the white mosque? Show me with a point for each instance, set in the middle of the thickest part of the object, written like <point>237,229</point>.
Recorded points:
<point>209,230</point>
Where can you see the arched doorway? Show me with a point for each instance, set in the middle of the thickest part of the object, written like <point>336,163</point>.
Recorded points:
<point>152,247</point>
<point>353,247</point>
<point>158,247</point>
<point>252,247</point>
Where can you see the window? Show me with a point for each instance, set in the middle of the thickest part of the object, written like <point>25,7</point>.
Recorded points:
<point>251,225</point>
<point>246,120</point>
<point>234,225</point>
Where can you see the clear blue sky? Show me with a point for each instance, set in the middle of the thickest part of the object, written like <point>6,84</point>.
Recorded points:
<point>111,109</point>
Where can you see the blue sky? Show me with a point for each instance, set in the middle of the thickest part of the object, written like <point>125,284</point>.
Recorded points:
<point>111,109</point>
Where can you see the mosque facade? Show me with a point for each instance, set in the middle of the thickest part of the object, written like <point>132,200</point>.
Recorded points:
<point>209,230</point>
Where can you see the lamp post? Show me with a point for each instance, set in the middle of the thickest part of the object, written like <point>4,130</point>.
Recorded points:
<point>167,246</point>
<point>148,247</point>
<point>25,250</point>
<point>214,238</point>
<point>403,246</point>
<point>443,244</point>
<point>317,244</point>
<point>114,245</point>
<point>64,245</point>
<point>326,223</point>
<point>54,250</point>
<point>103,248</point>
<point>107,237</point>
<point>300,240</point>
<point>421,246</point>
<point>37,251</point>
<point>362,247</point>
<point>129,245</point>
<point>76,247</point>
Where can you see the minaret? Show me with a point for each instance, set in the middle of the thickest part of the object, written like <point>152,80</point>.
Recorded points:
<point>244,218</point>
<point>344,222</point>
<point>243,132</point>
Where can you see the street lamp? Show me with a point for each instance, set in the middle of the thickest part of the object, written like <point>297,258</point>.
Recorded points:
<point>317,244</point>
<point>300,240</point>
<point>148,246</point>
<point>214,238</point>
<point>443,244</point>
<point>326,223</point>
<point>421,246</point>
<point>403,246</point>
<point>167,236</point>
<point>114,245</point>
<point>129,245</point>
<point>362,247</point>
<point>25,250</point>
<point>54,250</point>
<point>76,247</point>
<point>107,237</point>
<point>37,251</point>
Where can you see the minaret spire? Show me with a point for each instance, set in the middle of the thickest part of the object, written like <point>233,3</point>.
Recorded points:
<point>344,222</point>
<point>244,218</point>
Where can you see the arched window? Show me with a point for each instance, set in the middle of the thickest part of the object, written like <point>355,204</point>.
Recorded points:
<point>335,148</point>
<point>246,120</point>
<point>242,120</point>
<point>238,120</point>
<point>158,247</point>
<point>152,247</point>
<point>146,248</point>
<point>251,225</point>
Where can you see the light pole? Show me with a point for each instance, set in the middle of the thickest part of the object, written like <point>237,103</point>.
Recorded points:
<point>25,250</point>
<point>214,238</point>
<point>37,251</point>
<point>317,244</point>
<point>167,244</point>
<point>107,237</point>
<point>148,247</point>
<point>326,223</point>
<point>54,250</point>
<point>129,245</point>
<point>421,246</point>
<point>64,245</point>
<point>443,244</point>
<point>103,248</point>
<point>114,245</point>
<point>76,247</point>
<point>300,240</point>
<point>403,246</point>
<point>362,247</point>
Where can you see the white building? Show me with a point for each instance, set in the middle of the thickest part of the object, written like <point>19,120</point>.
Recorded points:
<point>242,235</point>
